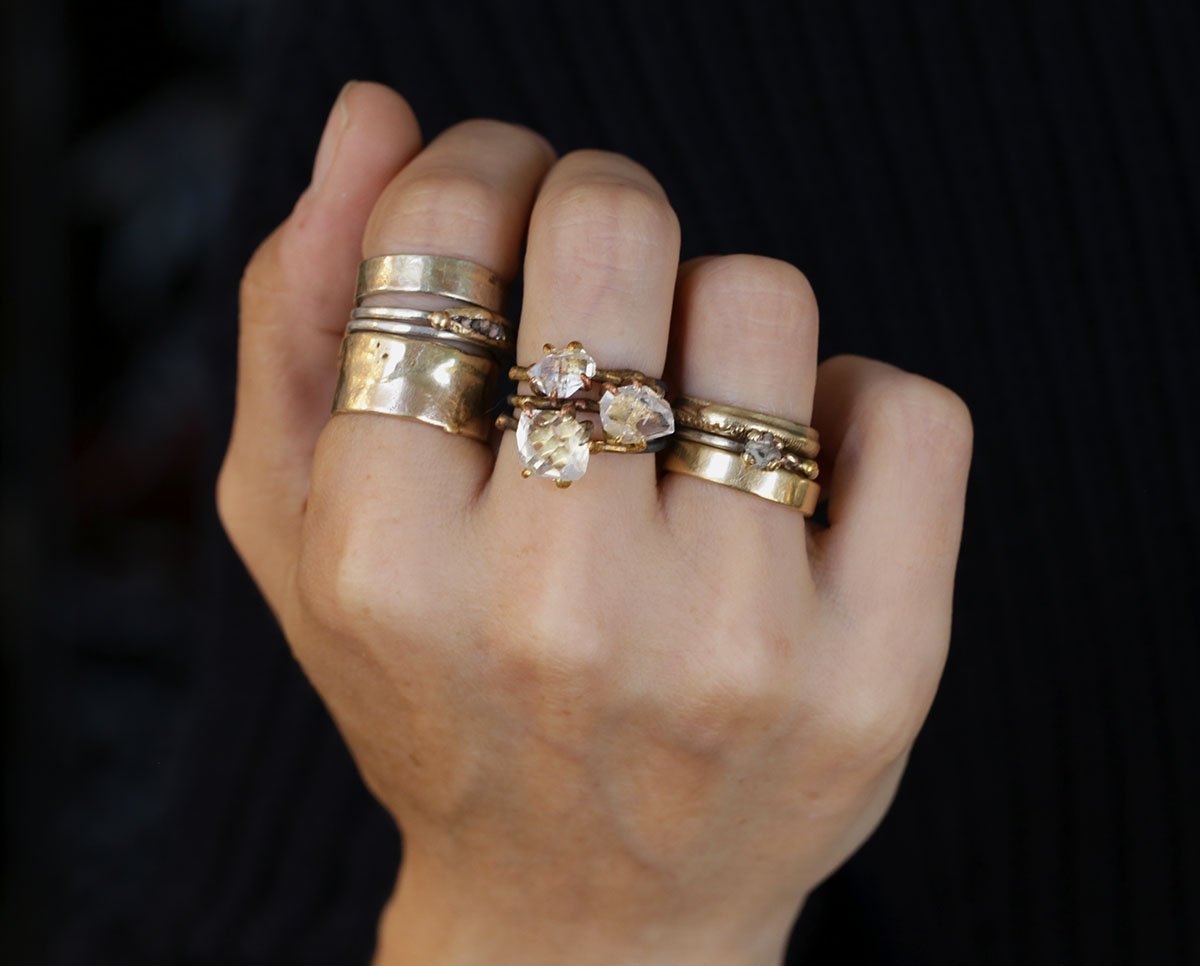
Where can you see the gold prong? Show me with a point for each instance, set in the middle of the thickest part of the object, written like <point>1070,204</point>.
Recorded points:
<point>526,474</point>
<point>573,345</point>
<point>519,373</point>
<point>810,469</point>
<point>547,347</point>
<point>562,484</point>
<point>506,422</point>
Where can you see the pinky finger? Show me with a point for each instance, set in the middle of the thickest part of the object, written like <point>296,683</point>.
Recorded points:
<point>901,450</point>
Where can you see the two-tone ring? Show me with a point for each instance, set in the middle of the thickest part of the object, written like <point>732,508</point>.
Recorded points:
<point>472,329</point>
<point>553,440</point>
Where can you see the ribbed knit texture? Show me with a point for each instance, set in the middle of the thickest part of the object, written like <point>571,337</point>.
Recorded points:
<point>1002,196</point>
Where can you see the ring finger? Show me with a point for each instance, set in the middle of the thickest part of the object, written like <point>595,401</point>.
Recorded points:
<point>744,334</point>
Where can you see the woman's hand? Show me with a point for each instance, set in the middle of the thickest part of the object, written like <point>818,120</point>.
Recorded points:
<point>638,720</point>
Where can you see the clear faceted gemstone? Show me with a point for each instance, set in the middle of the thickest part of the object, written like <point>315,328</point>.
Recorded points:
<point>633,414</point>
<point>763,450</point>
<point>553,444</point>
<point>562,372</point>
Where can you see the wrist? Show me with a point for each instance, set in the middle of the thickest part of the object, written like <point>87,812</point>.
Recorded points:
<point>432,920</point>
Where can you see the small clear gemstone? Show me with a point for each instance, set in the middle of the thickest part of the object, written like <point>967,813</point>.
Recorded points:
<point>562,372</point>
<point>763,450</point>
<point>635,413</point>
<point>553,444</point>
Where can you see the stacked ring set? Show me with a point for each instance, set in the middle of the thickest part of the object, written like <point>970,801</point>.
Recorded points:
<point>441,367</point>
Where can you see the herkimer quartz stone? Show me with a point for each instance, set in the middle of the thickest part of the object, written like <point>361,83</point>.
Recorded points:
<point>633,414</point>
<point>553,444</point>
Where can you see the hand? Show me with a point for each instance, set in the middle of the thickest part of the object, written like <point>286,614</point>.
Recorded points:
<point>638,720</point>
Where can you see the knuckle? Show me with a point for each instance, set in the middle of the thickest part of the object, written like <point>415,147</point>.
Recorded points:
<point>228,500</point>
<point>609,220</point>
<point>483,131</point>
<point>771,298</point>
<point>921,415</point>
<point>342,583</point>
<point>438,202</point>
<point>262,274</point>
<point>865,729</point>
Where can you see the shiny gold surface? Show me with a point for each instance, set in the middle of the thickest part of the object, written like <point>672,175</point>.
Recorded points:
<point>453,278</point>
<point>733,422</point>
<point>427,381</point>
<point>729,469</point>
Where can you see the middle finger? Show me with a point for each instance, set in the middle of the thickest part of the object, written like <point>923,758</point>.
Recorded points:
<point>599,269</point>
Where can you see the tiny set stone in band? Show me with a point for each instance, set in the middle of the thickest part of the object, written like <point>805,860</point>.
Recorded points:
<point>768,456</point>
<point>471,328</point>
<point>553,443</point>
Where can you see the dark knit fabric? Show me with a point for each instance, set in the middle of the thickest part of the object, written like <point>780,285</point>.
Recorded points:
<point>1002,196</point>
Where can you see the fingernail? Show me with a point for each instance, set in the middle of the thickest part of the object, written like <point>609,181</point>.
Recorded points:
<point>339,117</point>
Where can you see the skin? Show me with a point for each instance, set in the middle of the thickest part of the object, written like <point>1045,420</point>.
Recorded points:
<point>638,720</point>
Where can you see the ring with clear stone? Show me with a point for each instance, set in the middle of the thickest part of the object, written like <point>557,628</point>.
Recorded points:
<point>554,443</point>
<point>761,450</point>
<point>470,328</point>
<point>759,431</point>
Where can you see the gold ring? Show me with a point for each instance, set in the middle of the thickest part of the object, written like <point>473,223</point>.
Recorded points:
<point>428,381</point>
<point>554,443</point>
<point>453,278</point>
<point>727,468</point>
<point>747,426</point>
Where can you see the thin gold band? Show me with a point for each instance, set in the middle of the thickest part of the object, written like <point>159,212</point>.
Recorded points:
<point>430,382</point>
<point>729,469</point>
<point>453,278</point>
<point>734,422</point>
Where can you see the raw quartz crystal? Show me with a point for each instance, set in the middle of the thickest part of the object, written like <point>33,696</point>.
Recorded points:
<point>553,444</point>
<point>635,414</point>
<point>762,450</point>
<point>562,372</point>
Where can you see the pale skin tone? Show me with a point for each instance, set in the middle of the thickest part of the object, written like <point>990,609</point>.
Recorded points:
<point>635,721</point>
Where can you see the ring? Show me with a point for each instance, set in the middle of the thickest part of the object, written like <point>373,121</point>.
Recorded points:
<point>766,437</point>
<point>767,456</point>
<point>707,462</point>
<point>554,443</point>
<point>420,379</point>
<point>471,328</point>
<point>453,278</point>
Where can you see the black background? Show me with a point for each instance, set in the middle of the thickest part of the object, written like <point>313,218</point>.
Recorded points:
<point>1003,196</point>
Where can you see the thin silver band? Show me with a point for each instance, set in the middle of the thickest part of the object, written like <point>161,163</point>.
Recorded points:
<point>413,330</point>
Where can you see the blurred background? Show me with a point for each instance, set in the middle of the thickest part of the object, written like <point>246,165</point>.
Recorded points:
<point>1001,196</point>
<point>118,166</point>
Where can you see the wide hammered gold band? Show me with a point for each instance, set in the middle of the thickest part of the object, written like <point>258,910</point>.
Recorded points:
<point>453,278</point>
<point>430,382</point>
<point>729,469</point>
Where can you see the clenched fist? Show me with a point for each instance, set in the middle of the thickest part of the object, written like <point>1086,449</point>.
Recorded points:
<point>638,720</point>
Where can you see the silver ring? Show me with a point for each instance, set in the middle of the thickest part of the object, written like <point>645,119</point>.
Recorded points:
<point>476,328</point>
